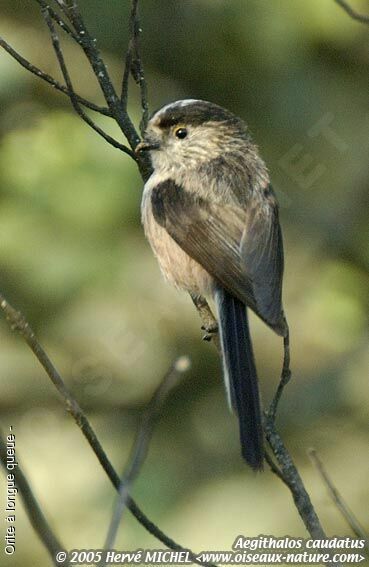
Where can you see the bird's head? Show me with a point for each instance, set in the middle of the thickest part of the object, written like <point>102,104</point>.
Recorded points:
<point>187,133</point>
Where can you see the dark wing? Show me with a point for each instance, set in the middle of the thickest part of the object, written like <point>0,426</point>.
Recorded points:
<point>217,237</point>
<point>261,251</point>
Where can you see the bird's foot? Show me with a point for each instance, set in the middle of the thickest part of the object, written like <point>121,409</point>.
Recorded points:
<point>210,331</point>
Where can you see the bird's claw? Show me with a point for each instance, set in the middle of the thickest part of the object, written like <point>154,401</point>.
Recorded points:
<point>210,331</point>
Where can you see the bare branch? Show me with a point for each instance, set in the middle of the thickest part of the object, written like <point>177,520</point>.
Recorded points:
<point>151,413</point>
<point>34,513</point>
<point>287,471</point>
<point>126,75</point>
<point>362,18</point>
<point>285,376</point>
<point>141,444</point>
<point>133,65</point>
<point>115,108</point>
<point>61,23</point>
<point>88,44</point>
<point>273,467</point>
<point>292,479</point>
<point>74,101</point>
<point>352,521</point>
<point>128,57</point>
<point>63,7</point>
<point>19,324</point>
<point>53,82</point>
<point>136,65</point>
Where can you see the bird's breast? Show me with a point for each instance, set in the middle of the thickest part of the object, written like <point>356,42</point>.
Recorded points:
<point>176,265</point>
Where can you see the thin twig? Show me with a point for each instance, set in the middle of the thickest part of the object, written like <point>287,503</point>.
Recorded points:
<point>363,18</point>
<point>32,508</point>
<point>59,54</point>
<point>290,476</point>
<point>61,4</point>
<point>133,65</point>
<point>126,74</point>
<point>142,441</point>
<point>151,413</point>
<point>61,23</point>
<point>115,108</point>
<point>136,66</point>
<point>287,470</point>
<point>292,479</point>
<point>19,324</point>
<point>273,467</point>
<point>88,44</point>
<point>128,57</point>
<point>53,82</point>
<point>352,521</point>
<point>285,376</point>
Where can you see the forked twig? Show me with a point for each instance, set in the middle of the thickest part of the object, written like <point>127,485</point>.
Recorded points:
<point>59,54</point>
<point>133,65</point>
<point>61,23</point>
<point>88,44</point>
<point>48,79</point>
<point>19,324</point>
<point>117,109</point>
<point>273,467</point>
<point>63,7</point>
<point>136,65</point>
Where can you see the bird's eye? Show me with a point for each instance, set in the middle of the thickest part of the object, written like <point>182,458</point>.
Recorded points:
<point>180,133</point>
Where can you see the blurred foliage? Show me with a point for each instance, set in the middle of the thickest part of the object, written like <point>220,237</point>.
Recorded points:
<point>74,259</point>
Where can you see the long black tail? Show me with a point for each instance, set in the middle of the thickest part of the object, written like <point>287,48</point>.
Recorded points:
<point>240,375</point>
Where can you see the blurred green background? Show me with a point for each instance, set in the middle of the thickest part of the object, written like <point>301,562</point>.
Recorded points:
<point>74,259</point>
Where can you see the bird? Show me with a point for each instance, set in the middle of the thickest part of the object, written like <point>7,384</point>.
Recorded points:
<point>211,217</point>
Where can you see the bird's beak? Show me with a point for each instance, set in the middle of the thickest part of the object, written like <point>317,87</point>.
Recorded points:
<point>146,146</point>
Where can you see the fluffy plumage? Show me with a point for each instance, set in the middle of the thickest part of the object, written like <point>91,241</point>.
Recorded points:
<point>211,217</point>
